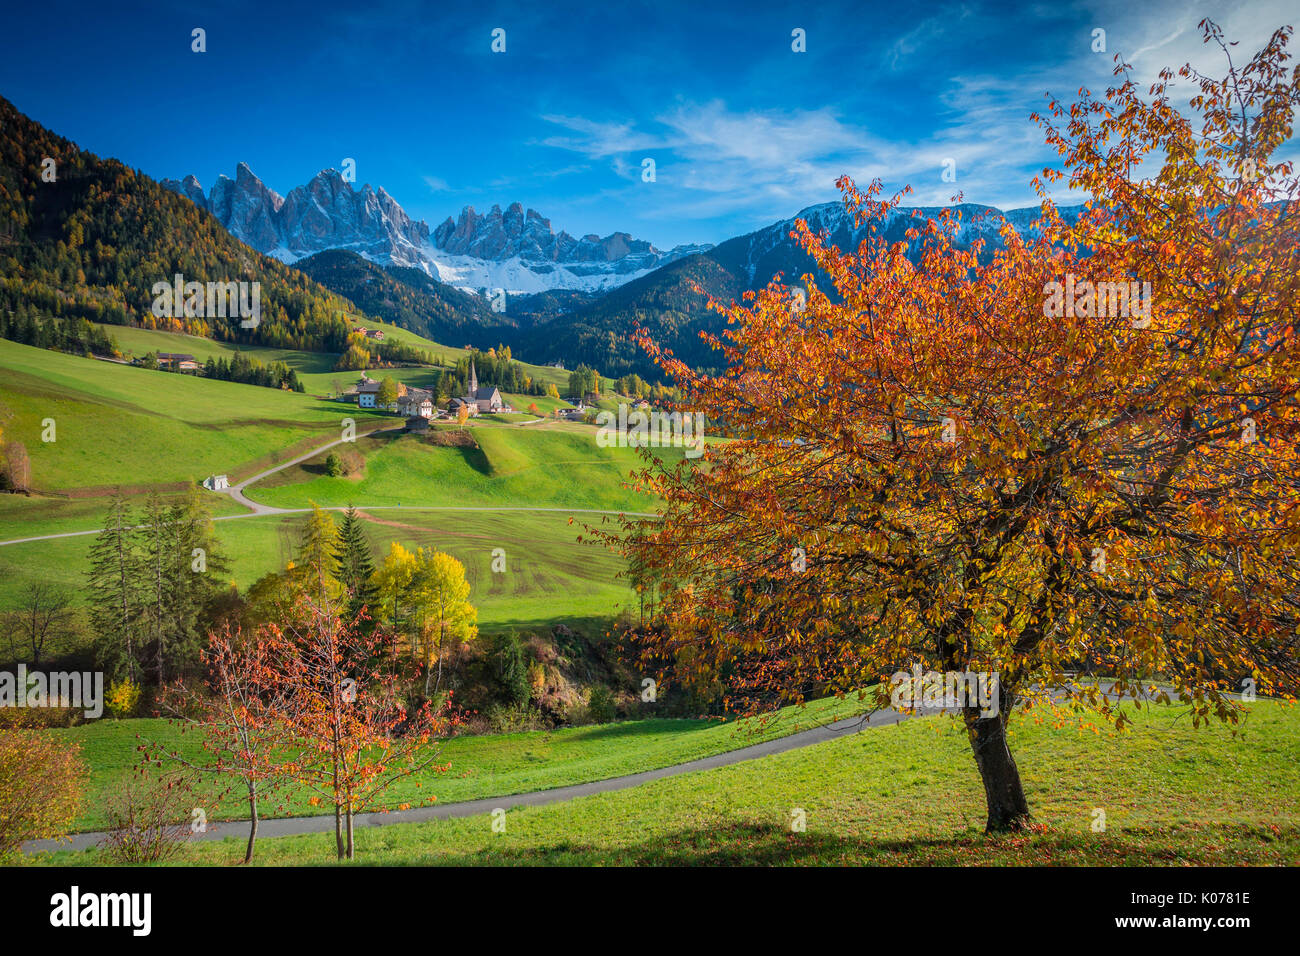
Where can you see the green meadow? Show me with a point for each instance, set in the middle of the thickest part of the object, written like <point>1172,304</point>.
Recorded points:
<point>489,765</point>
<point>121,426</point>
<point>316,369</point>
<point>543,465</point>
<point>549,574</point>
<point>904,795</point>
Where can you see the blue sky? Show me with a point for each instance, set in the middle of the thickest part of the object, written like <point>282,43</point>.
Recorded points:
<point>742,129</point>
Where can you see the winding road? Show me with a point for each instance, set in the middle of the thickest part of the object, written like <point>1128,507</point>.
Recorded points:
<point>324,823</point>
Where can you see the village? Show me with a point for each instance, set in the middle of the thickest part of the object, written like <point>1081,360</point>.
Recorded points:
<point>419,406</point>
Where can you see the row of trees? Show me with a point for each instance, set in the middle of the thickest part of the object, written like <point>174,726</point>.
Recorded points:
<point>584,383</point>
<point>634,386</point>
<point>26,326</point>
<point>496,367</point>
<point>333,689</point>
<point>250,371</point>
<point>156,579</point>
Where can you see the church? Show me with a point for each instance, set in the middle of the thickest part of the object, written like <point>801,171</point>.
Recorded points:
<point>483,400</point>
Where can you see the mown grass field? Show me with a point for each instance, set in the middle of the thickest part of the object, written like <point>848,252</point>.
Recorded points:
<point>480,766</point>
<point>117,425</point>
<point>902,795</point>
<point>549,575</point>
<point>550,465</point>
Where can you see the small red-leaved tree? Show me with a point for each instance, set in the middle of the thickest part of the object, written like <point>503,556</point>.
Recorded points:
<point>347,714</point>
<point>1079,448</point>
<point>239,712</point>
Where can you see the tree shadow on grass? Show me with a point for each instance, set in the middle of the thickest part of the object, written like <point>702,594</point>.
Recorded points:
<point>748,843</point>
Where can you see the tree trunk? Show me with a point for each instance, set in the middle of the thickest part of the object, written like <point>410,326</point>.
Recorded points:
<point>1008,809</point>
<point>338,829</point>
<point>252,822</point>
<point>351,851</point>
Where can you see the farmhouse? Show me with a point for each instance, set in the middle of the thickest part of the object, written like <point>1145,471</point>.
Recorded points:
<point>367,392</point>
<point>181,361</point>
<point>417,402</point>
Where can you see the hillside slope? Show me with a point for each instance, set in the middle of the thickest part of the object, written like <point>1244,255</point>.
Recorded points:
<point>88,237</point>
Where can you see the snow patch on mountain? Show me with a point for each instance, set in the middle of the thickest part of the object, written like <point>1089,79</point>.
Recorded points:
<point>512,249</point>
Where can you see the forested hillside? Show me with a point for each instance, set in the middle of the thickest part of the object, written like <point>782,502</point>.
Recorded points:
<point>84,237</point>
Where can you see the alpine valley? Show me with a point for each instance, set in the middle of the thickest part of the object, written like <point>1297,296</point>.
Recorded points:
<point>326,247</point>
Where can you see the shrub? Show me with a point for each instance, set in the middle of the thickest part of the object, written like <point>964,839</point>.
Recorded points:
<point>123,697</point>
<point>509,669</point>
<point>41,781</point>
<point>148,819</point>
<point>333,465</point>
<point>600,705</point>
<point>37,718</point>
<point>514,719</point>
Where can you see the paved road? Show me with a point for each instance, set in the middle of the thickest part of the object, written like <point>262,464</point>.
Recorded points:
<point>324,823</point>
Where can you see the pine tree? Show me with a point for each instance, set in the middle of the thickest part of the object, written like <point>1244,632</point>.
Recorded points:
<point>112,579</point>
<point>356,564</point>
<point>315,569</point>
<point>197,569</point>
<point>157,575</point>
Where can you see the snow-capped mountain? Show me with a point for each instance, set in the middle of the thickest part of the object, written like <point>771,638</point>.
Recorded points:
<point>770,250</point>
<point>514,249</point>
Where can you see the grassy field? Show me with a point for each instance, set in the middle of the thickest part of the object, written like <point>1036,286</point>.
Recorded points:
<point>117,425</point>
<point>480,766</point>
<point>902,795</point>
<point>549,575</point>
<point>25,517</point>
<point>550,465</point>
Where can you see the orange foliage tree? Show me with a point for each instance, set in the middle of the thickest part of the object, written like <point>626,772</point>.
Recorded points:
<point>238,711</point>
<point>1016,461</point>
<point>346,712</point>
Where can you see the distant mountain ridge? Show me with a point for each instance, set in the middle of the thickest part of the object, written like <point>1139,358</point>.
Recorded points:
<point>515,249</point>
<point>666,303</point>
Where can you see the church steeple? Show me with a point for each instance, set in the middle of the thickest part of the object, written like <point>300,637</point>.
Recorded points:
<point>473,380</point>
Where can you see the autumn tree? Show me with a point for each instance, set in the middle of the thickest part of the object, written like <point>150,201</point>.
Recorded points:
<point>352,731</point>
<point>42,778</point>
<point>390,583</point>
<point>239,712</point>
<point>1077,447</point>
<point>439,594</point>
